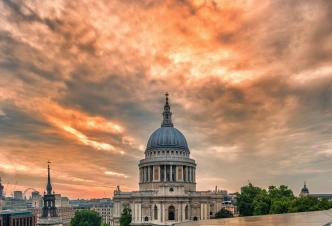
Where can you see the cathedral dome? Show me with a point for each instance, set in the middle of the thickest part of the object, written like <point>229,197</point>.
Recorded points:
<point>167,136</point>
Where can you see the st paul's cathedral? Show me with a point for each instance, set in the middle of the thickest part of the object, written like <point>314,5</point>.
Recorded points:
<point>167,183</point>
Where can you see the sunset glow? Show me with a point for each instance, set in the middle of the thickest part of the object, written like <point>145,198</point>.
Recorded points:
<point>82,84</point>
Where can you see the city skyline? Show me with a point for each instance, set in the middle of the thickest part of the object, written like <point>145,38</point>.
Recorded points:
<point>82,85</point>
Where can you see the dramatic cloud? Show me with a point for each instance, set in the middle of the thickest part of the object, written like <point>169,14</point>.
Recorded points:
<point>82,84</point>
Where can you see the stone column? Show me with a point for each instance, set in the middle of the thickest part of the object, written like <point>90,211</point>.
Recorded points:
<point>176,173</point>
<point>170,173</point>
<point>163,211</point>
<point>149,173</point>
<point>180,212</point>
<point>189,174</point>
<point>194,174</point>
<point>186,179</point>
<point>165,171</point>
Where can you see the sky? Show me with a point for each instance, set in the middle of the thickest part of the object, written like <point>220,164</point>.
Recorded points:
<point>82,84</point>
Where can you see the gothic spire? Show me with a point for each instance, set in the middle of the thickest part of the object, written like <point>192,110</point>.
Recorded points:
<point>167,114</point>
<point>49,186</point>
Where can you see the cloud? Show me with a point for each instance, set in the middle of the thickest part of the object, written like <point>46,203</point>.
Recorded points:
<point>249,83</point>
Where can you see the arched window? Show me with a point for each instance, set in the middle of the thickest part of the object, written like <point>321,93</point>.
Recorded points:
<point>186,212</point>
<point>155,212</point>
<point>171,213</point>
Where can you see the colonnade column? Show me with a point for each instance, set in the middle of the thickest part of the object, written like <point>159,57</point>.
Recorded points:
<point>186,179</point>
<point>143,174</point>
<point>194,179</point>
<point>190,174</point>
<point>165,171</point>
<point>170,173</point>
<point>148,173</point>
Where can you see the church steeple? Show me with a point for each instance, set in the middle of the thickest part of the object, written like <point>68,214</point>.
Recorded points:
<point>49,185</point>
<point>167,114</point>
<point>49,209</point>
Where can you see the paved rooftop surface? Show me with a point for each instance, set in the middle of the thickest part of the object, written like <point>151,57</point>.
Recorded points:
<point>317,218</point>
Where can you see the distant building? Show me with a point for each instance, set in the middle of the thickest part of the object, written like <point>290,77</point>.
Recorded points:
<point>2,196</point>
<point>64,213</point>
<point>305,192</point>
<point>105,211</point>
<point>49,215</point>
<point>88,204</point>
<point>17,218</point>
<point>65,202</point>
<point>11,203</point>
<point>18,195</point>
<point>1,190</point>
<point>36,200</point>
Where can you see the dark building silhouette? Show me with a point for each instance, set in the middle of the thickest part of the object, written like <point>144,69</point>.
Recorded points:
<point>17,218</point>
<point>1,190</point>
<point>304,190</point>
<point>49,214</point>
<point>49,209</point>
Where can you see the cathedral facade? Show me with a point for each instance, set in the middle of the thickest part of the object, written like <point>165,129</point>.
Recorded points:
<point>167,183</point>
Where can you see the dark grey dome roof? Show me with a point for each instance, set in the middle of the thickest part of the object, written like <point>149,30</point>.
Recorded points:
<point>167,137</point>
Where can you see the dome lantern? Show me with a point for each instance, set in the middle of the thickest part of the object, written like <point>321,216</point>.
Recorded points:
<point>167,114</point>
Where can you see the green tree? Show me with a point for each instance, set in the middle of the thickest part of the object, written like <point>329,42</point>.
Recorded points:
<point>282,192</point>
<point>281,198</point>
<point>86,218</point>
<point>256,201</point>
<point>280,205</point>
<point>125,218</point>
<point>261,203</point>
<point>223,213</point>
<point>303,204</point>
<point>324,204</point>
<point>246,198</point>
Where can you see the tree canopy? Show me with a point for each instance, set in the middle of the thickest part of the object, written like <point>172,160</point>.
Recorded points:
<point>223,213</point>
<point>125,218</point>
<point>257,201</point>
<point>86,218</point>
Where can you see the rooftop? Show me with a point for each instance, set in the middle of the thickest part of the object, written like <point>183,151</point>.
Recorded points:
<point>317,218</point>
<point>16,212</point>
